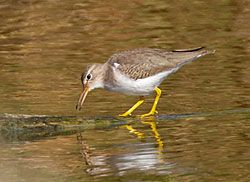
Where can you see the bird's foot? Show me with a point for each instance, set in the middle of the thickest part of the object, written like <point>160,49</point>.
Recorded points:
<point>151,113</point>
<point>126,114</point>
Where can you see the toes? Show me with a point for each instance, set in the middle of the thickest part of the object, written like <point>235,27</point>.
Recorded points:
<point>125,114</point>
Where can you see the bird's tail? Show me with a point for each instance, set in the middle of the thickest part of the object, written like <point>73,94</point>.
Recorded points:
<point>188,55</point>
<point>196,50</point>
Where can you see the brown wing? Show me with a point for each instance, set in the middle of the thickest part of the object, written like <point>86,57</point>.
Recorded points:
<point>144,62</point>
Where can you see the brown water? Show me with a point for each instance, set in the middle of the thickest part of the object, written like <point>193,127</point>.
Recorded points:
<point>202,132</point>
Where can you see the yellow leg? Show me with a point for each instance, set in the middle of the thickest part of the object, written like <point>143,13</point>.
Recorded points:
<point>127,113</point>
<point>153,109</point>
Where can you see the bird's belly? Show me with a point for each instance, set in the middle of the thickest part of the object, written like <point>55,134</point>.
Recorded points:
<point>143,86</point>
<point>133,89</point>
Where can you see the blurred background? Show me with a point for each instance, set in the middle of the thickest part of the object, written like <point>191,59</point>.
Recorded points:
<point>45,46</point>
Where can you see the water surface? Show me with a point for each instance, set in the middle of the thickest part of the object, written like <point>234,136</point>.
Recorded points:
<point>202,132</point>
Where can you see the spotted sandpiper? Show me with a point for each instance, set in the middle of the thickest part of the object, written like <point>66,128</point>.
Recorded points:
<point>137,72</point>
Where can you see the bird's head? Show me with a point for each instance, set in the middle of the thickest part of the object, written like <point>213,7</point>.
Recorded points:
<point>91,78</point>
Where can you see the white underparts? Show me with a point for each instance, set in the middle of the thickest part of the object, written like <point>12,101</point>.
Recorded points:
<point>143,86</point>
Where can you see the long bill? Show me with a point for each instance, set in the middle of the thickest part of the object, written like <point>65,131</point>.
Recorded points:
<point>82,97</point>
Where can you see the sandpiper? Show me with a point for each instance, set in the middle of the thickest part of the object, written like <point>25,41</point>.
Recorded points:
<point>137,72</point>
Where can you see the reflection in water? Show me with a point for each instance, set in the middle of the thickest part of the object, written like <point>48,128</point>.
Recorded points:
<point>139,135</point>
<point>148,121</point>
<point>197,144</point>
<point>146,155</point>
<point>157,136</point>
<point>85,150</point>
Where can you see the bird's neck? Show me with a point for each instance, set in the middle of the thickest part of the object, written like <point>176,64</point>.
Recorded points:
<point>100,71</point>
<point>108,76</point>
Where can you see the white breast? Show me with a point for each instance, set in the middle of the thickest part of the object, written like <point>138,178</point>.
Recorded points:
<point>137,87</point>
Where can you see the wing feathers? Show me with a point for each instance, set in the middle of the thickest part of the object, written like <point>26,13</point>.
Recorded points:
<point>144,62</point>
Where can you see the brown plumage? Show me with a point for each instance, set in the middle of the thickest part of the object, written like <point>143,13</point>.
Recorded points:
<point>137,72</point>
<point>144,62</point>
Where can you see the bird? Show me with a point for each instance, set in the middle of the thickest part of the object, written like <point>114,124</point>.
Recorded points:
<point>137,72</point>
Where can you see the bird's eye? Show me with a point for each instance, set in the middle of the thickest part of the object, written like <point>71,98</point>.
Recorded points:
<point>89,76</point>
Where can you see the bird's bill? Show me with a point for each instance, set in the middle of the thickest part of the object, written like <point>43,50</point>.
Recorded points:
<point>82,97</point>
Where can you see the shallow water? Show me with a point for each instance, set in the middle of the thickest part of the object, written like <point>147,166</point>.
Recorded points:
<point>202,131</point>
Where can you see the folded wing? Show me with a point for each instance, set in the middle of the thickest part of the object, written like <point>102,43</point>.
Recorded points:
<point>143,62</point>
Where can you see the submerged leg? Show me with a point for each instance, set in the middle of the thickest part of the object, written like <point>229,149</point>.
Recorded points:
<point>128,112</point>
<point>153,109</point>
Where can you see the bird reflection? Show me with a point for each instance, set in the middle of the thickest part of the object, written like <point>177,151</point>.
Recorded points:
<point>140,135</point>
<point>143,156</point>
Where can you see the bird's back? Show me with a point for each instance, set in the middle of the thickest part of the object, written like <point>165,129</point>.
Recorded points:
<point>143,62</point>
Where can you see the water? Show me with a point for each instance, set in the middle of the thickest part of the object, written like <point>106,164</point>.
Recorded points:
<point>202,132</point>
